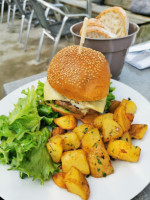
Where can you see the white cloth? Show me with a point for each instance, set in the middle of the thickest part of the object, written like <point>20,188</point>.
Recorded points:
<point>139,55</point>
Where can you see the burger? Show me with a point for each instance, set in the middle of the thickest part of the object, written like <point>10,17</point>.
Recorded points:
<point>76,83</point>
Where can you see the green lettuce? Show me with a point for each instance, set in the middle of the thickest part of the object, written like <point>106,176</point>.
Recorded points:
<point>24,134</point>
<point>110,97</point>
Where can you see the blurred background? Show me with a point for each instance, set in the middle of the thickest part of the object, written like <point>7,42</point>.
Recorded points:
<point>30,31</point>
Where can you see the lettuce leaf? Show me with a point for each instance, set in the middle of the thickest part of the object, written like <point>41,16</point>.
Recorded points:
<point>24,134</point>
<point>110,97</point>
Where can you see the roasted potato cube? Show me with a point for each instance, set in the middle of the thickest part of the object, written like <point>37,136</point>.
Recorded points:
<point>89,118</point>
<point>70,141</point>
<point>57,131</point>
<point>113,105</point>
<point>98,120</point>
<point>76,158</point>
<point>82,129</point>
<point>67,122</point>
<point>122,150</point>
<point>59,180</point>
<point>111,130</point>
<point>55,148</point>
<point>129,105</point>
<point>126,137</point>
<point>90,139</point>
<point>76,183</point>
<point>99,161</point>
<point>121,118</point>
<point>138,131</point>
<point>130,117</point>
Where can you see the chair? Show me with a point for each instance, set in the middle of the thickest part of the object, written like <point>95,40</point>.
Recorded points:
<point>47,28</point>
<point>26,14</point>
<point>2,2</point>
<point>11,6</point>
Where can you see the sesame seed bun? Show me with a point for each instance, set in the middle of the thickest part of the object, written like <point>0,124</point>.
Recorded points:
<point>81,77</point>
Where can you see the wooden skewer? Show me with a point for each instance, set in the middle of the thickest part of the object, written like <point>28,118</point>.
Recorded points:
<point>83,34</point>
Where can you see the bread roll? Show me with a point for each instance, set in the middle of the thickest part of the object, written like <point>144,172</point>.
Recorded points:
<point>116,20</point>
<point>95,29</point>
<point>98,33</point>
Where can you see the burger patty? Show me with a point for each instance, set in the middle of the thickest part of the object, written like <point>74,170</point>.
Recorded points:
<point>67,105</point>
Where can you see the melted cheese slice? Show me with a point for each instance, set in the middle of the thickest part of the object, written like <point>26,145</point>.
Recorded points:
<point>51,94</point>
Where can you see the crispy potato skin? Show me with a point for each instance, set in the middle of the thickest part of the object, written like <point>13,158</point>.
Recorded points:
<point>67,122</point>
<point>89,118</point>
<point>121,118</point>
<point>59,180</point>
<point>76,158</point>
<point>90,139</point>
<point>122,150</point>
<point>82,129</point>
<point>98,120</point>
<point>111,130</point>
<point>137,131</point>
<point>57,131</point>
<point>76,183</point>
<point>70,141</point>
<point>99,161</point>
<point>55,148</point>
<point>114,104</point>
<point>130,117</point>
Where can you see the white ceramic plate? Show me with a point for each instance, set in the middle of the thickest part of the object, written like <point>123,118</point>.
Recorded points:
<point>127,181</point>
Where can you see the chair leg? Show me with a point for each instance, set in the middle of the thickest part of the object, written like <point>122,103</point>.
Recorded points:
<point>21,27</point>
<point>40,46</point>
<point>13,17</point>
<point>2,10</point>
<point>28,30</point>
<point>8,15</point>
<point>58,37</point>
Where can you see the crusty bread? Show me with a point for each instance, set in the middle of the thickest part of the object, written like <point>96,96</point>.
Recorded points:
<point>93,22</point>
<point>98,33</point>
<point>95,29</point>
<point>116,19</point>
<point>81,77</point>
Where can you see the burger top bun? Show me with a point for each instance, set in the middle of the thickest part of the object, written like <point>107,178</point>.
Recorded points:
<point>81,77</point>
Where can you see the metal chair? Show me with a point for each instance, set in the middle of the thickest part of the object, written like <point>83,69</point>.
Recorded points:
<point>11,7</point>
<point>2,2</point>
<point>47,28</point>
<point>26,15</point>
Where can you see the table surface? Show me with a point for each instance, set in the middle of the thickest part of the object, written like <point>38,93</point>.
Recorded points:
<point>137,79</point>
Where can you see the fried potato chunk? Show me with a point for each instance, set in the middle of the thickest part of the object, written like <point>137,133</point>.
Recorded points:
<point>130,106</point>
<point>113,105</point>
<point>138,131</point>
<point>98,120</point>
<point>99,161</point>
<point>89,119</point>
<point>111,130</point>
<point>82,129</point>
<point>126,137</point>
<point>67,122</point>
<point>76,158</point>
<point>76,183</point>
<point>55,148</point>
<point>70,141</point>
<point>122,150</point>
<point>121,118</point>
<point>59,180</point>
<point>90,139</point>
<point>57,131</point>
